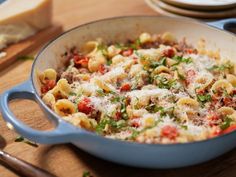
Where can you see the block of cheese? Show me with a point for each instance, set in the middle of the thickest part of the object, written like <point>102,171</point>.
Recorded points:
<point>20,19</point>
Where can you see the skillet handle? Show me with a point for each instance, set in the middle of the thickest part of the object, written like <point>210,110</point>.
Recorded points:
<point>63,132</point>
<point>226,24</point>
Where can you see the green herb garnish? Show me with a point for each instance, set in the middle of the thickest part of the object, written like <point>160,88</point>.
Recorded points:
<point>226,123</point>
<point>87,174</point>
<point>155,64</point>
<point>185,127</point>
<point>26,57</point>
<point>72,94</point>
<point>180,59</point>
<point>136,44</point>
<point>103,49</point>
<point>109,62</point>
<point>22,139</point>
<point>204,98</point>
<point>114,125</point>
<point>100,92</point>
<point>163,82</point>
<point>222,67</point>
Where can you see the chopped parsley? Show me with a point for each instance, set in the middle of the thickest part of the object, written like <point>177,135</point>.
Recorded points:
<point>222,67</point>
<point>124,114</point>
<point>25,57</point>
<point>153,108</point>
<point>150,62</point>
<point>185,127</point>
<point>116,99</point>
<point>114,125</point>
<point>103,49</point>
<point>204,98</point>
<point>180,59</point>
<point>100,92</point>
<point>72,94</point>
<point>24,140</point>
<point>87,174</point>
<point>135,45</point>
<point>226,123</point>
<point>155,64</point>
<point>164,83</point>
<point>109,62</point>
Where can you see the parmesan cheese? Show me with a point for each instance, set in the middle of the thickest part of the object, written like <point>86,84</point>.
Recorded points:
<point>21,19</point>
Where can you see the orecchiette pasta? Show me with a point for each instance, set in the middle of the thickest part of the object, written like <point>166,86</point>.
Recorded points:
<point>62,89</point>
<point>64,107</point>
<point>96,60</point>
<point>222,85</point>
<point>232,79</point>
<point>152,89</point>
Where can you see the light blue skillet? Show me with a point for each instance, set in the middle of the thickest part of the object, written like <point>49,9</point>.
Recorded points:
<point>133,154</point>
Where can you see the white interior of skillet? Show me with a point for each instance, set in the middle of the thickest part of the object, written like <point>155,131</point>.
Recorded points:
<point>123,28</point>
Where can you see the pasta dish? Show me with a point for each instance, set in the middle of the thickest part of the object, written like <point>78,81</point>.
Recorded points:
<point>154,89</point>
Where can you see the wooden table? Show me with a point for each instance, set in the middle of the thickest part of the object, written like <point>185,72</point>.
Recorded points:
<point>67,160</point>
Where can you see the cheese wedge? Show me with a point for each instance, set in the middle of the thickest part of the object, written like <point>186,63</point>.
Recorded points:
<point>20,19</point>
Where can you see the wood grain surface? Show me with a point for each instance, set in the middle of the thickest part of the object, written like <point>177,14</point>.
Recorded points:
<point>24,47</point>
<point>66,160</point>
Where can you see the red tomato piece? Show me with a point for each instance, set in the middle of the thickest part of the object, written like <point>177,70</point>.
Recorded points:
<point>102,69</point>
<point>85,106</point>
<point>81,61</point>
<point>229,129</point>
<point>227,101</point>
<point>191,51</point>
<point>214,116</point>
<point>125,87</point>
<point>234,92</point>
<point>127,52</point>
<point>118,115</point>
<point>169,52</point>
<point>217,132</point>
<point>170,132</point>
<point>135,124</point>
<point>200,91</point>
<point>49,84</point>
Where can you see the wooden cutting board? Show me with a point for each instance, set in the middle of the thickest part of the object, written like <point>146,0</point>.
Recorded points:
<point>66,160</point>
<point>28,45</point>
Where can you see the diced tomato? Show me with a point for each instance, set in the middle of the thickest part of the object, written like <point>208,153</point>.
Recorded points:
<point>213,118</point>
<point>217,132</point>
<point>135,124</point>
<point>200,91</point>
<point>81,61</point>
<point>214,99</point>
<point>234,92</point>
<point>227,101</point>
<point>127,52</point>
<point>229,129</point>
<point>169,52</point>
<point>191,51</point>
<point>85,106</point>
<point>49,84</point>
<point>118,115</point>
<point>125,87</point>
<point>189,76</point>
<point>170,132</point>
<point>102,69</point>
